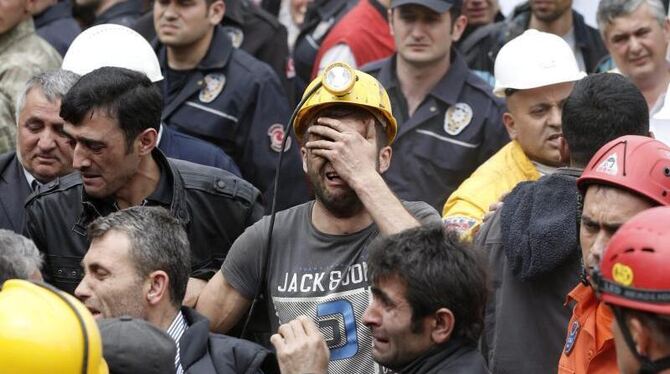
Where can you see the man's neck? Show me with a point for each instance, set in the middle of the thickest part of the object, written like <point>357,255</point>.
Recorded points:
<point>654,86</point>
<point>416,81</point>
<point>189,56</point>
<point>560,26</point>
<point>142,184</point>
<point>324,221</point>
<point>163,316</point>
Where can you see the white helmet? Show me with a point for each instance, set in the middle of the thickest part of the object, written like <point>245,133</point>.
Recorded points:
<point>112,45</point>
<point>534,59</point>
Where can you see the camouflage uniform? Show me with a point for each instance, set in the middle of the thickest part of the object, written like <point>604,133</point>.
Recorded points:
<point>22,54</point>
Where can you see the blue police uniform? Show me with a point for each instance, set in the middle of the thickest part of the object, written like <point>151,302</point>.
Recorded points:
<point>57,26</point>
<point>236,102</point>
<point>124,13</point>
<point>457,127</point>
<point>188,148</point>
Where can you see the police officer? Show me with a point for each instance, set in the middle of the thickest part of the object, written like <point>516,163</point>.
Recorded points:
<point>219,93</point>
<point>450,122</point>
<point>251,29</point>
<point>55,24</point>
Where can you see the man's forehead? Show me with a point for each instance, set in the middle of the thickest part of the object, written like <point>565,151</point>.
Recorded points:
<point>609,202</point>
<point>551,94</point>
<point>640,17</point>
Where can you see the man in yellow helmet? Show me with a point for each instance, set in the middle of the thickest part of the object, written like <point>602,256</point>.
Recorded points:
<point>317,259</point>
<point>44,331</point>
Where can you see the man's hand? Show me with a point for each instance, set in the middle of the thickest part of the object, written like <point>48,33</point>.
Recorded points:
<point>301,349</point>
<point>353,156</point>
<point>193,289</point>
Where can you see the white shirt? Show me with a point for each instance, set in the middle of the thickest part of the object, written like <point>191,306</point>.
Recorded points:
<point>176,330</point>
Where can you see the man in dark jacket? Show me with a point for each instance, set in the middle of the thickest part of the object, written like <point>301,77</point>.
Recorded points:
<point>42,153</point>
<point>531,242</point>
<point>145,276</point>
<point>112,117</point>
<point>556,17</point>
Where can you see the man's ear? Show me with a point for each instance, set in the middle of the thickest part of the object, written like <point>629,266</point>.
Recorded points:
<point>510,125</point>
<point>147,141</point>
<point>158,287</point>
<point>458,27</point>
<point>385,155</point>
<point>564,151</point>
<point>216,11</point>
<point>442,325</point>
<point>389,15</point>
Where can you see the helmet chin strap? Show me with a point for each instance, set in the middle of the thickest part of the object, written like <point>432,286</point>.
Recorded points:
<point>647,366</point>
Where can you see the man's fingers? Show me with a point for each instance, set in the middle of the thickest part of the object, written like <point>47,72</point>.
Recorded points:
<point>308,325</point>
<point>286,331</point>
<point>325,132</point>
<point>320,144</point>
<point>298,330</point>
<point>277,341</point>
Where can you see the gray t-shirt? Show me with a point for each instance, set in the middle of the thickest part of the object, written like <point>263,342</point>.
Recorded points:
<point>316,274</point>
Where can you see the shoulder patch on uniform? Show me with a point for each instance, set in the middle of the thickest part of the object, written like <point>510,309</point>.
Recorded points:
<point>276,134</point>
<point>235,34</point>
<point>213,85</point>
<point>459,223</point>
<point>572,337</point>
<point>457,118</point>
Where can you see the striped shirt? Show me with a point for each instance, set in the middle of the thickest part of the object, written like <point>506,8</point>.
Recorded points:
<point>176,330</point>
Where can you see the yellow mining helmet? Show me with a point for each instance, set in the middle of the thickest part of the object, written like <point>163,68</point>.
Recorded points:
<point>43,330</point>
<point>340,84</point>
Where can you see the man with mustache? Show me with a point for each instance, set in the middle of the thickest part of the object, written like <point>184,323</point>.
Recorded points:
<point>317,259</point>
<point>535,74</point>
<point>43,152</point>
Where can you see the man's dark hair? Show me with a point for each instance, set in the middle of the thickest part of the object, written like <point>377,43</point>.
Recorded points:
<point>157,242</point>
<point>439,270</point>
<point>601,108</point>
<point>125,95</point>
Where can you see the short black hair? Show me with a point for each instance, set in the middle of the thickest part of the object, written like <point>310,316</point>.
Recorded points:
<point>601,108</point>
<point>439,270</point>
<point>126,95</point>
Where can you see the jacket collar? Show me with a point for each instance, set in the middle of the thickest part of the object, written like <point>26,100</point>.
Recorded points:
<point>194,342</point>
<point>94,208</point>
<point>234,12</point>
<point>55,12</point>
<point>219,52</point>
<point>436,357</point>
<point>21,30</point>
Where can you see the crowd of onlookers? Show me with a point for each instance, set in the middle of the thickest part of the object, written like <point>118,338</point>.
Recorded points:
<point>342,186</point>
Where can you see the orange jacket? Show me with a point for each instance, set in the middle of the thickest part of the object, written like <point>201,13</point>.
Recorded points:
<point>589,345</point>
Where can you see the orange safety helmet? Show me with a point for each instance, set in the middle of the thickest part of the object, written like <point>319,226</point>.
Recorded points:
<point>633,269</point>
<point>636,163</point>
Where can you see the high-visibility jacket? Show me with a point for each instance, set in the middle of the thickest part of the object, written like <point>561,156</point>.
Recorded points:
<point>466,207</point>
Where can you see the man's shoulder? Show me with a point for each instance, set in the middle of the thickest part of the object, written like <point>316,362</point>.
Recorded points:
<point>214,181</point>
<point>59,188</point>
<point>246,68</point>
<point>7,159</point>
<point>373,68</point>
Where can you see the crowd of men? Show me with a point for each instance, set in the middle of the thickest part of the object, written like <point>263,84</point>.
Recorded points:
<point>334,186</point>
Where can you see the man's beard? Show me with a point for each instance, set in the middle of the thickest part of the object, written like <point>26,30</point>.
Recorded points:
<point>343,205</point>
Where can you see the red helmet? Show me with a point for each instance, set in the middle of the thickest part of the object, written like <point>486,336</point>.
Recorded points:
<point>637,163</point>
<point>634,268</point>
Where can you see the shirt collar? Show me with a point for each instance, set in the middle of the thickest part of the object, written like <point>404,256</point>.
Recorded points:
<point>448,87</point>
<point>176,331</point>
<point>30,178</point>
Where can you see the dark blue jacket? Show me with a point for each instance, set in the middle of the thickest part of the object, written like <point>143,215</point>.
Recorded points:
<point>14,190</point>
<point>57,26</point>
<point>430,159</point>
<point>241,110</point>
<point>202,352</point>
<point>185,147</point>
